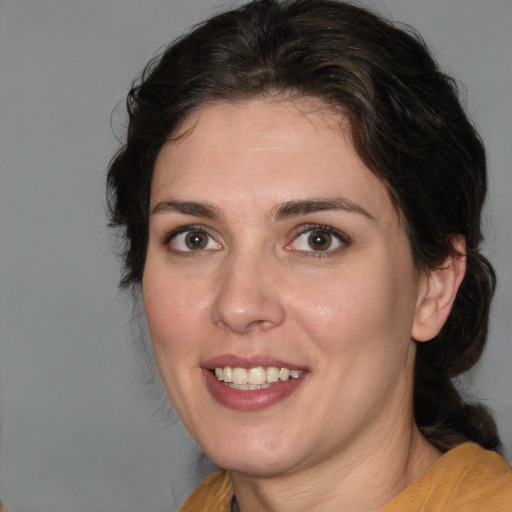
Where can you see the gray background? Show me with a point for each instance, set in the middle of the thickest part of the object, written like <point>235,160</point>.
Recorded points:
<point>79,432</point>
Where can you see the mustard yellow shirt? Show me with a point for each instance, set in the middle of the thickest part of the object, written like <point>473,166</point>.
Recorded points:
<point>465,479</point>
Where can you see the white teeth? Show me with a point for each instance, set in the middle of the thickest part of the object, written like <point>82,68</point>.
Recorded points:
<point>239,376</point>
<point>284,373</point>
<point>228,374</point>
<point>272,374</point>
<point>254,378</point>
<point>256,375</point>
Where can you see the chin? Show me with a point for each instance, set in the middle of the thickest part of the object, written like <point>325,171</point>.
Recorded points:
<point>257,465</point>
<point>257,453</point>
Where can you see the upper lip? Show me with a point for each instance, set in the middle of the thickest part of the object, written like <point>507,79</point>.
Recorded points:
<point>237,361</point>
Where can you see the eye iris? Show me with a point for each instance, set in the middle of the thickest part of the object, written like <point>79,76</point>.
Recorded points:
<point>196,240</point>
<point>319,240</point>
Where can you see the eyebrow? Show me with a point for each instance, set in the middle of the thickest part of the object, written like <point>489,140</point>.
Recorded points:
<point>303,207</point>
<point>292,208</point>
<point>198,209</point>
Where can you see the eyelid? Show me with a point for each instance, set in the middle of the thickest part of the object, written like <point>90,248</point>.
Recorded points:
<point>323,227</point>
<point>169,236</point>
<point>342,237</point>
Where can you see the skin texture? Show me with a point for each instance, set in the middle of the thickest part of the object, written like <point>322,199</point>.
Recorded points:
<point>259,291</point>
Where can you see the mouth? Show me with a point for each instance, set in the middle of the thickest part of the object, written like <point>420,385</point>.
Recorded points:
<point>252,383</point>
<point>251,379</point>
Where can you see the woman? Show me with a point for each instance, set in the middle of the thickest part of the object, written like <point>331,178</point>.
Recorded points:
<point>301,194</point>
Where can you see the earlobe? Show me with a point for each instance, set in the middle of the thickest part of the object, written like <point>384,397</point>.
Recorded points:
<point>438,291</point>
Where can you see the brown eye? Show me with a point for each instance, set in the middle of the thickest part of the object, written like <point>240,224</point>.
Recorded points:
<point>196,240</point>
<point>320,240</point>
<point>192,240</point>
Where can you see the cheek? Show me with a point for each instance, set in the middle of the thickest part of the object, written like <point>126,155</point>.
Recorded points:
<point>357,311</point>
<point>176,312</point>
<point>176,323</point>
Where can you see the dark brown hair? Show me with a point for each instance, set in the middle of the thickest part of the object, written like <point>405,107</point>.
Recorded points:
<point>407,126</point>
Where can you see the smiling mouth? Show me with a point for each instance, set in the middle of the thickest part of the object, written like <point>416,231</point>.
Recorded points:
<point>254,378</point>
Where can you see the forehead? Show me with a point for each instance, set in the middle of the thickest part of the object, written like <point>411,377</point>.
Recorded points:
<point>266,151</point>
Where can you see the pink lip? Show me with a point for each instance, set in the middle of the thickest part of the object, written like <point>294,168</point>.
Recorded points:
<point>254,400</point>
<point>250,400</point>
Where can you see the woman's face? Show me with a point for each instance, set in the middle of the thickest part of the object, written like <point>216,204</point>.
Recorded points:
<point>272,246</point>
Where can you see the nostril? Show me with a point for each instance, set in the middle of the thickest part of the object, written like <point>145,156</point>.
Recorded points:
<point>259,325</point>
<point>254,326</point>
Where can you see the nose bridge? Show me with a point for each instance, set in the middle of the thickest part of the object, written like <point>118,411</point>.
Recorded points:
<point>248,298</point>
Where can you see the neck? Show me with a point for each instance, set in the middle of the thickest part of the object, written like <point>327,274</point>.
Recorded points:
<point>362,479</point>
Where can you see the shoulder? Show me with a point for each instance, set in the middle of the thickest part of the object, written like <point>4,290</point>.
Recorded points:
<point>214,494</point>
<point>467,478</point>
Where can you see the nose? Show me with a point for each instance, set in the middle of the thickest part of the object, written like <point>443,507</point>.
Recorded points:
<point>249,296</point>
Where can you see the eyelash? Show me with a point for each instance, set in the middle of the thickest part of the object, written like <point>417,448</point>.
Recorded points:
<point>169,237</point>
<point>341,237</point>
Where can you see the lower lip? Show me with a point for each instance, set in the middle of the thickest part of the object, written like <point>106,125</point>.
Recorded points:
<point>250,400</point>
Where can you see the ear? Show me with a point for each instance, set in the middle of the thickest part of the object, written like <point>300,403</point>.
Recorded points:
<point>438,290</point>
